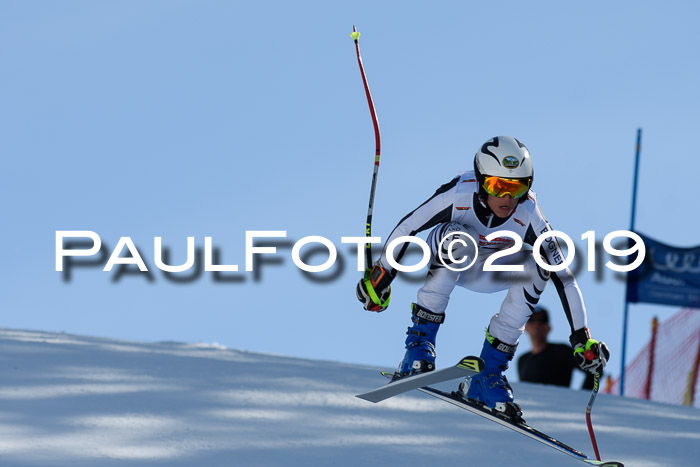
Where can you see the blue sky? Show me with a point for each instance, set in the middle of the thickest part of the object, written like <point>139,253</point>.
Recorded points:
<point>213,118</point>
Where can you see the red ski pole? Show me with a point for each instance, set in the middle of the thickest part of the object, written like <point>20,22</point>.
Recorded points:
<point>596,382</point>
<point>368,247</point>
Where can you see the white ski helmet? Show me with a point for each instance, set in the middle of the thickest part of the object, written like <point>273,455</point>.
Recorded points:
<point>504,157</point>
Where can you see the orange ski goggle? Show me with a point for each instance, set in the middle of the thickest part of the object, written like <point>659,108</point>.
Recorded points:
<point>499,187</point>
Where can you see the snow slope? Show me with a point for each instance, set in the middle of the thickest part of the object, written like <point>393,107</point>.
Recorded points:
<point>80,401</point>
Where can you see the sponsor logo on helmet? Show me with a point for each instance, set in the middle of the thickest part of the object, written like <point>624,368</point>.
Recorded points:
<point>511,162</point>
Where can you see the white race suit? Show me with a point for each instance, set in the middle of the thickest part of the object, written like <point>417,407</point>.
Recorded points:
<point>457,206</point>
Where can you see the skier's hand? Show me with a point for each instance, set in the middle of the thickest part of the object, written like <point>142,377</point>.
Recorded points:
<point>374,290</point>
<point>591,355</point>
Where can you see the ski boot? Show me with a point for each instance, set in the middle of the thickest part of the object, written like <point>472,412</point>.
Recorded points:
<point>490,389</point>
<point>420,343</point>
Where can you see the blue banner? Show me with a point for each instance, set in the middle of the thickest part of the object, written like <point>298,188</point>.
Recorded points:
<point>668,275</point>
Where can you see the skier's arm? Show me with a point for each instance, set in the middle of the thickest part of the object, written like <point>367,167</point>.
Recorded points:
<point>591,355</point>
<point>374,290</point>
<point>564,281</point>
<point>436,209</point>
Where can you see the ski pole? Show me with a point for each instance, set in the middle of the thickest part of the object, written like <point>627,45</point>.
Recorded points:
<point>368,246</point>
<point>594,393</point>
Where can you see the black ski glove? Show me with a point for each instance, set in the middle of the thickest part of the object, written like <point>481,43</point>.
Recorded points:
<point>374,290</point>
<point>591,355</point>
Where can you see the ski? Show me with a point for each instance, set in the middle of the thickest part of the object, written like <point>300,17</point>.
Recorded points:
<point>465,367</point>
<point>520,427</point>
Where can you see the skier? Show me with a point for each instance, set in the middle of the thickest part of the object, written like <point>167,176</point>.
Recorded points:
<point>495,196</point>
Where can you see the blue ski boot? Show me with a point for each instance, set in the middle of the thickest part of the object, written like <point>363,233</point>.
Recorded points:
<point>490,388</point>
<point>420,343</point>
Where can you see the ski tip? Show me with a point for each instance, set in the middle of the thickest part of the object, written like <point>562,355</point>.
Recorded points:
<point>471,362</point>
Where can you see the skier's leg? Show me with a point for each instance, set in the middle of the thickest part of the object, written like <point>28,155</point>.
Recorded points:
<point>420,343</point>
<point>524,289</point>
<point>444,272</point>
<point>491,386</point>
<point>429,310</point>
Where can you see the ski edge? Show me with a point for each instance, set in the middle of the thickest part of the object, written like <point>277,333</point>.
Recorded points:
<point>525,429</point>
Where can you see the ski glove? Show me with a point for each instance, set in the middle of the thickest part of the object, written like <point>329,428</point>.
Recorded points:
<point>591,355</point>
<point>374,290</point>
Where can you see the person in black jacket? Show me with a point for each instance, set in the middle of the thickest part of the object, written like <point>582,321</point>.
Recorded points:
<point>547,362</point>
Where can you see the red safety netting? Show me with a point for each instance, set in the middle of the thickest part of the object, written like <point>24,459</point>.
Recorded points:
<point>673,377</point>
